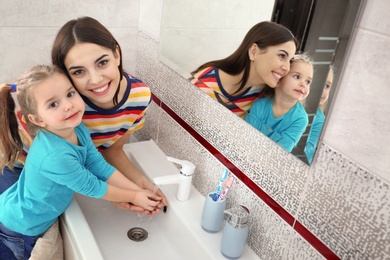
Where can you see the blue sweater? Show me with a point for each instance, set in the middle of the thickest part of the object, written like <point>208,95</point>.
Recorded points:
<point>55,169</point>
<point>314,135</point>
<point>285,130</point>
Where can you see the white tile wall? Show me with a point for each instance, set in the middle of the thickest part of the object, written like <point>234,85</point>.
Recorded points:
<point>28,29</point>
<point>225,32</point>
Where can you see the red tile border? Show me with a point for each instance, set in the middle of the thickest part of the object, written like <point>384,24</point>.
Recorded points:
<point>315,242</point>
<point>284,214</point>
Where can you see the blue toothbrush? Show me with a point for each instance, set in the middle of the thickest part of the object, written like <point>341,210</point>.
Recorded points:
<point>221,180</point>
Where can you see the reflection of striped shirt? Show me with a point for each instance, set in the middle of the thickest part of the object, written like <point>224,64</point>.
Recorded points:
<point>209,82</point>
<point>108,125</point>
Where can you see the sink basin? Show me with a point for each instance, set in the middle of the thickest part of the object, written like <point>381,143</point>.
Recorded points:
<point>96,229</point>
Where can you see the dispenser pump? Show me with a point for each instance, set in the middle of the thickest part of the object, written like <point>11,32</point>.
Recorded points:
<point>235,232</point>
<point>238,216</point>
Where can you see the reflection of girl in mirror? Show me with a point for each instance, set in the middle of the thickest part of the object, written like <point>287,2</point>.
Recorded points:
<point>62,160</point>
<point>262,59</point>
<point>280,115</point>
<point>116,102</point>
<point>319,119</point>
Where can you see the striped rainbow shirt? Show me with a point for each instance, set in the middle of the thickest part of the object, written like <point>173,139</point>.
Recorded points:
<point>209,82</point>
<point>108,125</point>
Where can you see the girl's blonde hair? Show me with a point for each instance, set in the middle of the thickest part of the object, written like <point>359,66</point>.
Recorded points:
<point>10,141</point>
<point>302,57</point>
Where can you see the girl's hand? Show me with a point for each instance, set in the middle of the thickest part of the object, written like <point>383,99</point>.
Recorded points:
<point>130,207</point>
<point>147,200</point>
<point>144,183</point>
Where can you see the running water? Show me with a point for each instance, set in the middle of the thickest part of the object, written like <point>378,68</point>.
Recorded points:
<point>142,218</point>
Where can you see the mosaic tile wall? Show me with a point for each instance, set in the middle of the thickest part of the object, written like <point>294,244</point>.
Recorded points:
<point>344,206</point>
<point>347,207</point>
<point>270,237</point>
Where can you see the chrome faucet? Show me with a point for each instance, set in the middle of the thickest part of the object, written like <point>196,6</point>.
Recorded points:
<point>183,179</point>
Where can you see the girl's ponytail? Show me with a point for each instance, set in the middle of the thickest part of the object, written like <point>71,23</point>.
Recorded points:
<point>10,142</point>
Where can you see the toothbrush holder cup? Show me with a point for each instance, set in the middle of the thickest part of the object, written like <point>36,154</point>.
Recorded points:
<point>213,213</point>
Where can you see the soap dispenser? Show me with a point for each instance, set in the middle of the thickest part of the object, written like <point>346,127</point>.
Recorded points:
<point>235,232</point>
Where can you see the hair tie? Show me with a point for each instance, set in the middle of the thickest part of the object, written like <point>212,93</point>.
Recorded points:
<point>13,87</point>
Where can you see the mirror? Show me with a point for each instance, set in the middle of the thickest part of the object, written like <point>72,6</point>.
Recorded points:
<point>193,33</point>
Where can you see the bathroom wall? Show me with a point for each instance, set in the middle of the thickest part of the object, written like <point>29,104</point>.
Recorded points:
<point>342,202</point>
<point>28,28</point>
<point>337,208</point>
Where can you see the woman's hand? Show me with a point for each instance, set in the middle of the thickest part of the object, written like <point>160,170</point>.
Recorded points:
<point>146,199</point>
<point>144,183</point>
<point>131,207</point>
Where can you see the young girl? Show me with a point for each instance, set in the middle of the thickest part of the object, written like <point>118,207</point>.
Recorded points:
<point>62,160</point>
<point>280,115</point>
<point>319,119</point>
<point>263,58</point>
<point>116,101</point>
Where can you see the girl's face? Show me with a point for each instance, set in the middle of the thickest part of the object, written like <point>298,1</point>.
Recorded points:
<point>296,84</point>
<point>59,107</point>
<point>270,65</point>
<point>94,72</point>
<point>328,85</point>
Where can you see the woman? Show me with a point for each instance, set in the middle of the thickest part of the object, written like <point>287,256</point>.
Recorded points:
<point>263,58</point>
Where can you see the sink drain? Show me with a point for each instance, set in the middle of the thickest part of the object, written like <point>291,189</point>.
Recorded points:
<point>137,234</point>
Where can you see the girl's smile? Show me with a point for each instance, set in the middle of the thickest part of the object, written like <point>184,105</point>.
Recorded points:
<point>73,116</point>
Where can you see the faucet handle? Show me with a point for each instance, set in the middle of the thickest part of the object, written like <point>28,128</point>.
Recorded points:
<point>187,167</point>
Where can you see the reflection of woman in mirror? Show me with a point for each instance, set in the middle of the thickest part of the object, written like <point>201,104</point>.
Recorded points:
<point>262,59</point>
<point>280,115</point>
<point>319,119</point>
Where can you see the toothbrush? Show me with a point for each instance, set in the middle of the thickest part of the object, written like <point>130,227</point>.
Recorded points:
<point>221,180</point>
<point>229,183</point>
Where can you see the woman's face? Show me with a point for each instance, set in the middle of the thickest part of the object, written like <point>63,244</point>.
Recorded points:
<point>270,65</point>
<point>94,72</point>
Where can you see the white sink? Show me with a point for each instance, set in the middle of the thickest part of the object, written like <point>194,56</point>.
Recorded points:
<point>96,229</point>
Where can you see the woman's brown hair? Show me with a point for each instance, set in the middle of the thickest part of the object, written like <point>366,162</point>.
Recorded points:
<point>264,34</point>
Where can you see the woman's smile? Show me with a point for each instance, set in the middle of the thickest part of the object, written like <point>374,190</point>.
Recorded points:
<point>102,90</point>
